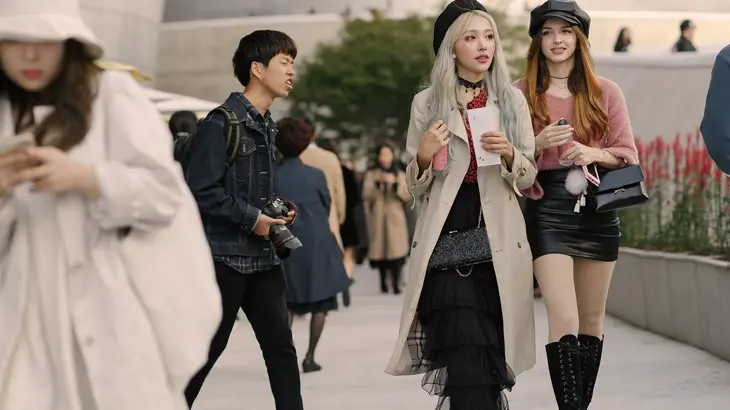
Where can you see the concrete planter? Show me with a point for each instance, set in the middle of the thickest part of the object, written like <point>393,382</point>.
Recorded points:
<point>680,296</point>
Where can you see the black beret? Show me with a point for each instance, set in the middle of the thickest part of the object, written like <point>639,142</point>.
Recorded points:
<point>567,10</point>
<point>447,17</point>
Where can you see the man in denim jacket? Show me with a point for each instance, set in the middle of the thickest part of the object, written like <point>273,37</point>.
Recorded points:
<point>230,200</point>
<point>715,125</point>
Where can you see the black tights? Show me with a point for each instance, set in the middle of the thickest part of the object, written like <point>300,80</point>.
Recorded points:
<point>316,326</point>
<point>394,272</point>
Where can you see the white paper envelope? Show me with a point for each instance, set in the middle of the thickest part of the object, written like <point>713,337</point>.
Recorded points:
<point>482,120</point>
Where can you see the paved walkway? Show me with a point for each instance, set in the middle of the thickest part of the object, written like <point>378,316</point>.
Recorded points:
<point>641,371</point>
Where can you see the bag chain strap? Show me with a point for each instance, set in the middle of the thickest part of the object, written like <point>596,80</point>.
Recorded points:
<point>471,267</point>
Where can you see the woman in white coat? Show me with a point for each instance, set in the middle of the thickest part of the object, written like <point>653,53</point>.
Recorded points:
<point>86,160</point>
<point>468,321</point>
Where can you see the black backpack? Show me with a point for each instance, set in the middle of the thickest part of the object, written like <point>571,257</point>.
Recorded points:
<point>233,137</point>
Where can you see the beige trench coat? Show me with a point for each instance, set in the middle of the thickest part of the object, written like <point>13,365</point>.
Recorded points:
<point>387,217</point>
<point>328,163</point>
<point>505,225</point>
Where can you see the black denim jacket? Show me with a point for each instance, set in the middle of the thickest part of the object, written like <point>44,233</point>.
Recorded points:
<point>230,198</point>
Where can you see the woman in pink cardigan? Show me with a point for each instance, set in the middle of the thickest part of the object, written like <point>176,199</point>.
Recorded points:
<point>574,248</point>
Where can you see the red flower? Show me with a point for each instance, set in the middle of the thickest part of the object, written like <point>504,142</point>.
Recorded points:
<point>640,151</point>
<point>677,148</point>
<point>661,146</point>
<point>706,161</point>
<point>717,175</point>
<point>649,180</point>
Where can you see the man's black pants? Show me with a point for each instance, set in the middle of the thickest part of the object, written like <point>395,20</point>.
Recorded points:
<point>262,295</point>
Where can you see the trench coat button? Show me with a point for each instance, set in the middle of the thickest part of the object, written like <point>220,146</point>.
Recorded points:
<point>522,172</point>
<point>88,341</point>
<point>519,245</point>
<point>414,244</point>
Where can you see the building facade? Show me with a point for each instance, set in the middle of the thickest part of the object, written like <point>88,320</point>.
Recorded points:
<point>129,29</point>
<point>191,10</point>
<point>186,45</point>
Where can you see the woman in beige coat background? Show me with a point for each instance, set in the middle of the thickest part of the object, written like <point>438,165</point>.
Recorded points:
<point>470,329</point>
<point>385,194</point>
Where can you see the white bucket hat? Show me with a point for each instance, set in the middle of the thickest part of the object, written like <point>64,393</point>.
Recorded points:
<point>46,20</point>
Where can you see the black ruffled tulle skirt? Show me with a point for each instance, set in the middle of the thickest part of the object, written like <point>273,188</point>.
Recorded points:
<point>461,340</point>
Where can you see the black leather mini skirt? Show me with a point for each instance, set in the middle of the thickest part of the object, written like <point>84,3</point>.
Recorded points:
<point>554,228</point>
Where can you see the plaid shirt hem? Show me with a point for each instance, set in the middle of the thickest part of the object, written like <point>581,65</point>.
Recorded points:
<point>247,264</point>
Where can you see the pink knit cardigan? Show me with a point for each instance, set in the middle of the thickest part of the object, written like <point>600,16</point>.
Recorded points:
<point>620,141</point>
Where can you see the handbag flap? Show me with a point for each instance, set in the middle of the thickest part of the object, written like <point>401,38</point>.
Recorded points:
<point>619,178</point>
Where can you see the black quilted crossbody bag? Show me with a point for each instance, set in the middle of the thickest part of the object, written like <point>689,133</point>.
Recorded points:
<point>461,250</point>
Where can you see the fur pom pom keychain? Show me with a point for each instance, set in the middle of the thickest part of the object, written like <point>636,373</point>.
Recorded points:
<point>577,184</point>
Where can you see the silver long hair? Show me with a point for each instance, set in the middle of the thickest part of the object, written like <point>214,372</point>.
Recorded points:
<point>444,85</point>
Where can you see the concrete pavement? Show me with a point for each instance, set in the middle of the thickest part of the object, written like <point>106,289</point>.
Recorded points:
<point>640,371</point>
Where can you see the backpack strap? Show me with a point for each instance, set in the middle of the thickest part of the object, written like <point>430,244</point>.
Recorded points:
<point>233,134</point>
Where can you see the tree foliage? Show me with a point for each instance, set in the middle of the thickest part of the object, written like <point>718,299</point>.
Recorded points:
<point>362,87</point>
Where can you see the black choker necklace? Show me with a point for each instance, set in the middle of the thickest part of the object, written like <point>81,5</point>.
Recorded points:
<point>559,78</point>
<point>469,84</point>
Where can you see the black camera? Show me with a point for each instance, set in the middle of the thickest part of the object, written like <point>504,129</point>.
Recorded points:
<point>280,235</point>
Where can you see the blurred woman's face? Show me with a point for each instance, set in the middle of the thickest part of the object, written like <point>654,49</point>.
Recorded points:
<point>385,157</point>
<point>31,65</point>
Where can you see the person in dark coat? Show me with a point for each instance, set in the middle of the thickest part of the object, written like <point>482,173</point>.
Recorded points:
<point>315,273</point>
<point>623,41</point>
<point>353,203</point>
<point>715,126</point>
<point>686,37</point>
<point>182,124</point>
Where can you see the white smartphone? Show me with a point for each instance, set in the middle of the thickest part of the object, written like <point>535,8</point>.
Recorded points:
<point>16,142</point>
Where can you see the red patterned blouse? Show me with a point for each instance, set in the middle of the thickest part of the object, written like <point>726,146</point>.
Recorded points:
<point>480,101</point>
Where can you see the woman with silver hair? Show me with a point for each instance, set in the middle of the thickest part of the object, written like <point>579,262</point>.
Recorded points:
<point>467,319</point>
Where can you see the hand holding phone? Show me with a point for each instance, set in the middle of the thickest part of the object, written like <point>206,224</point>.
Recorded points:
<point>16,143</point>
<point>13,160</point>
<point>433,145</point>
<point>554,135</point>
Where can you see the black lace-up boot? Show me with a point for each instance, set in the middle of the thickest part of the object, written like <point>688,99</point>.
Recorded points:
<point>592,350</point>
<point>564,363</point>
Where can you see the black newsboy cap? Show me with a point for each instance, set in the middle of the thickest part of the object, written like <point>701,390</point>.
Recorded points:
<point>567,10</point>
<point>447,17</point>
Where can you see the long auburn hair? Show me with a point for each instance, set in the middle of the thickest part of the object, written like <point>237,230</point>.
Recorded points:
<point>590,119</point>
<point>71,94</point>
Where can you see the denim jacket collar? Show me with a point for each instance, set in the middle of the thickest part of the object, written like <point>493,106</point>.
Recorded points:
<point>249,115</point>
